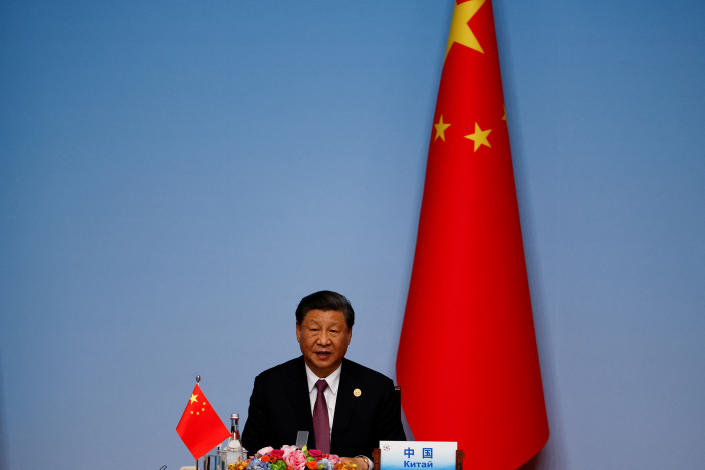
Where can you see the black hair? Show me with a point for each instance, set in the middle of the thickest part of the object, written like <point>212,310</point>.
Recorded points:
<point>326,300</point>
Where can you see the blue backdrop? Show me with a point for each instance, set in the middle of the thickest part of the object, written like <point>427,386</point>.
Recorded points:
<point>176,175</point>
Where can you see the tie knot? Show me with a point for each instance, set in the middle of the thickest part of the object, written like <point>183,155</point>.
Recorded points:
<point>321,385</point>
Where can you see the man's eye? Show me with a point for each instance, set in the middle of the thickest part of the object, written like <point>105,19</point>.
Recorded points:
<point>333,331</point>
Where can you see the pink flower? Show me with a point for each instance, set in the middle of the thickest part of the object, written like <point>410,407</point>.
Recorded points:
<point>334,459</point>
<point>277,453</point>
<point>315,453</point>
<point>288,450</point>
<point>265,450</point>
<point>295,459</point>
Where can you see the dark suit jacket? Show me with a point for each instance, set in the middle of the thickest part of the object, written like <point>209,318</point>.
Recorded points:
<point>280,407</point>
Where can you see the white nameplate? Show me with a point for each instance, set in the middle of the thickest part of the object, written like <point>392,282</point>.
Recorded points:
<point>398,455</point>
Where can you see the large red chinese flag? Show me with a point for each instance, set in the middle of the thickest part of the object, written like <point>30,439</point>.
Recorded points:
<point>467,362</point>
<point>200,427</point>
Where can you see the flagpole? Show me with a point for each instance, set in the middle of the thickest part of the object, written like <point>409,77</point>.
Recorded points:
<point>198,379</point>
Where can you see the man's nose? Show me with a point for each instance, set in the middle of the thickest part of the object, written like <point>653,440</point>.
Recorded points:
<point>324,338</point>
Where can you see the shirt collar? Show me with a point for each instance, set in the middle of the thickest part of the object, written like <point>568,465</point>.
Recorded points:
<point>333,379</point>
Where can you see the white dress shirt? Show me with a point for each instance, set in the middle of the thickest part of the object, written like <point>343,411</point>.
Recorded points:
<point>330,393</point>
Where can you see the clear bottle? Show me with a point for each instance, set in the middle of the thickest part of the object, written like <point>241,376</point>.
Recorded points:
<point>234,452</point>
<point>234,443</point>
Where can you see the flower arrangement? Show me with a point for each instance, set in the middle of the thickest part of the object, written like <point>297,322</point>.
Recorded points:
<point>292,458</point>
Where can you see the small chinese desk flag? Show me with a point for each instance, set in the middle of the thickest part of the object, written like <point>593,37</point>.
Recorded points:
<point>200,427</point>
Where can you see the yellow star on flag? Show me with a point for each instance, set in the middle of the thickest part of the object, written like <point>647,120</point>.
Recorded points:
<point>194,398</point>
<point>460,32</point>
<point>441,129</point>
<point>479,137</point>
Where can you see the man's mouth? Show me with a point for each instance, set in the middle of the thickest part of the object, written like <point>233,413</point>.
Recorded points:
<point>323,355</point>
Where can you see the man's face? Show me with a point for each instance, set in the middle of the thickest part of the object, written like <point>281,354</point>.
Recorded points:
<point>323,337</point>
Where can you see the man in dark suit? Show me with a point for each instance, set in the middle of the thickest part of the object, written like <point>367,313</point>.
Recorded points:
<point>346,408</point>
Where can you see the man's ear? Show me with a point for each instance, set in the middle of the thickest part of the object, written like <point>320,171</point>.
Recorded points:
<point>349,336</point>
<point>298,332</point>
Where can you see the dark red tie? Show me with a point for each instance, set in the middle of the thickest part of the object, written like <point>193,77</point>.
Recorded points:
<point>321,426</point>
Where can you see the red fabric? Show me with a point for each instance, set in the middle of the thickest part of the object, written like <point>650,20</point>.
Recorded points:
<point>321,423</point>
<point>467,361</point>
<point>200,427</point>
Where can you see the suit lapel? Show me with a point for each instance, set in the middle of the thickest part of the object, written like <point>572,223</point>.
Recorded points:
<point>344,403</point>
<point>299,398</point>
